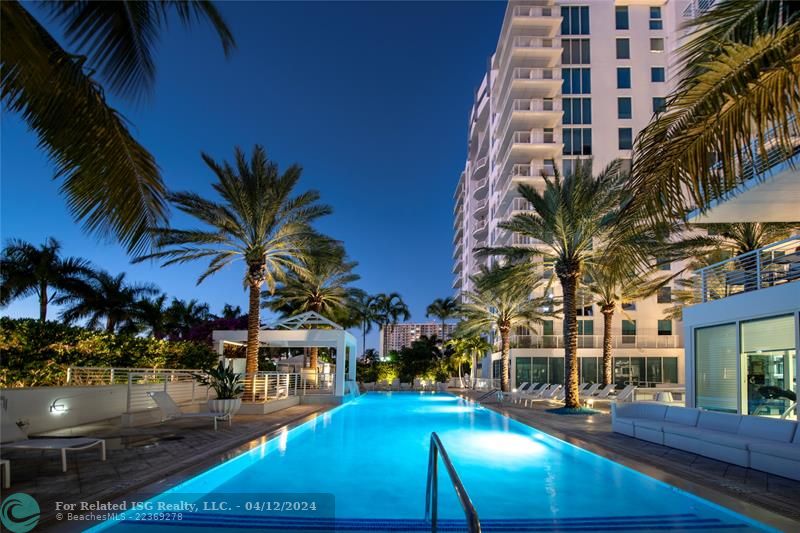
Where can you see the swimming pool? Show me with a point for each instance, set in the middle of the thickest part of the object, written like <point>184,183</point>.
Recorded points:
<point>371,455</point>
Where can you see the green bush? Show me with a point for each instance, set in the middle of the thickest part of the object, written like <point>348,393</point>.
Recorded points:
<point>38,354</point>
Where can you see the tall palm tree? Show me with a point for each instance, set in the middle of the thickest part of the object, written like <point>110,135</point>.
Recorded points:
<point>104,299</point>
<point>443,308</point>
<point>502,306</point>
<point>151,315</point>
<point>466,350</point>
<point>322,287</point>
<point>611,283</point>
<point>26,270</point>
<point>738,81</point>
<point>744,237</point>
<point>389,310</point>
<point>257,221</point>
<point>230,312</point>
<point>568,217</point>
<point>365,313</point>
<point>111,182</point>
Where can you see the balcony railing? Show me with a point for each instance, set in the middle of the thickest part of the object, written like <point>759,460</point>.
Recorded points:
<point>530,73</point>
<point>480,186</point>
<point>521,204</point>
<point>536,11</point>
<point>524,41</point>
<point>596,341</point>
<point>766,267</point>
<point>479,227</point>
<point>524,171</point>
<point>480,206</point>
<point>697,8</point>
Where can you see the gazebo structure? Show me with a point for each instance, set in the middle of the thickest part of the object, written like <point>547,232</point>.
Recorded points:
<point>306,330</point>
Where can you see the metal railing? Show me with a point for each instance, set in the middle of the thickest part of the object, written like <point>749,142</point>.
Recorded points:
<point>432,488</point>
<point>483,383</point>
<point>266,386</point>
<point>697,8</point>
<point>480,185</point>
<point>481,204</point>
<point>769,266</point>
<point>596,341</point>
<point>536,11</point>
<point>94,376</point>
<point>181,385</point>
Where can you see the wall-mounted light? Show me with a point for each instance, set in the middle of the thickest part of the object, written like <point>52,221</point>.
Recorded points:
<point>58,408</point>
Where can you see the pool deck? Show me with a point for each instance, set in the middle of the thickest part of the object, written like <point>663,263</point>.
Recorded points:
<point>744,490</point>
<point>138,457</point>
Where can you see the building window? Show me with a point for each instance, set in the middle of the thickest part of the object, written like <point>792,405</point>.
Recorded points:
<point>628,328</point>
<point>716,365</point>
<point>585,327</point>
<point>623,78</point>
<point>655,18</point>
<point>577,141</point>
<point>575,20</point>
<point>621,17</point>
<point>625,138</point>
<point>576,81</point>
<point>664,295</point>
<point>769,354</point>
<point>665,327</point>
<point>659,104</point>
<point>575,52</point>
<point>624,107</point>
<point>623,48</point>
<point>577,110</point>
<point>630,306</point>
<point>547,327</point>
<point>568,166</point>
<point>657,44</point>
<point>584,311</point>
<point>657,74</point>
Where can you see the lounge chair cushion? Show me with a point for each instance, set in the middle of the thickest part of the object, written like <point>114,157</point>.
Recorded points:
<point>722,422</point>
<point>777,449</point>
<point>767,428</point>
<point>682,415</point>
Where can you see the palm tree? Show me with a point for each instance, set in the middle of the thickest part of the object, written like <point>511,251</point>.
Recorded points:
<point>151,315</point>
<point>502,306</point>
<point>104,298</point>
<point>744,237</point>
<point>322,287</point>
<point>26,270</point>
<point>365,314</point>
<point>111,182</point>
<point>566,219</point>
<point>258,221</point>
<point>739,80</point>
<point>231,312</point>
<point>466,349</point>
<point>389,310</point>
<point>443,308</point>
<point>183,316</point>
<point>611,282</point>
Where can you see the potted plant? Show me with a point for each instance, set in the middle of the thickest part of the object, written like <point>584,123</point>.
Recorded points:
<point>228,386</point>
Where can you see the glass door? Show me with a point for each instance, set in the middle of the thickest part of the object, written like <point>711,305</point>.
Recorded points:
<point>770,384</point>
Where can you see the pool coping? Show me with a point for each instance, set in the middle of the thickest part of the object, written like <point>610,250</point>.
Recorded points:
<point>747,509</point>
<point>182,474</point>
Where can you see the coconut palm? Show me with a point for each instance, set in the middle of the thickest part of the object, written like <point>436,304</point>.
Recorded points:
<point>151,315</point>
<point>389,310</point>
<point>365,314</point>
<point>502,306</point>
<point>738,81</point>
<point>231,312</point>
<point>466,350</point>
<point>568,217</point>
<point>610,283</point>
<point>26,270</point>
<point>744,237</point>
<point>322,287</point>
<point>183,315</point>
<point>443,308</point>
<point>111,182</point>
<point>104,299</point>
<point>257,221</point>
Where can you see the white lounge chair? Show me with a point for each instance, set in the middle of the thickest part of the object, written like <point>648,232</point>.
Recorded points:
<point>590,390</point>
<point>14,439</point>
<point>524,388</point>
<point>171,411</point>
<point>549,395</point>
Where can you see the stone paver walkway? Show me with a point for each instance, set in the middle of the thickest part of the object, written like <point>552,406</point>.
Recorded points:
<point>136,457</point>
<point>774,493</point>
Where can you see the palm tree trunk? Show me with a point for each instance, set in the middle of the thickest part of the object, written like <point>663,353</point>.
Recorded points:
<point>42,301</point>
<point>569,284</point>
<point>505,340</point>
<point>110,323</point>
<point>253,327</point>
<point>608,313</point>
<point>444,335</point>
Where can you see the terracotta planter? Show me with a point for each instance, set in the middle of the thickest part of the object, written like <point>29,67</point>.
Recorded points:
<point>230,407</point>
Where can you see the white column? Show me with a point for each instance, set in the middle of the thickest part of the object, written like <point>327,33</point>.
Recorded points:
<point>351,374</point>
<point>341,354</point>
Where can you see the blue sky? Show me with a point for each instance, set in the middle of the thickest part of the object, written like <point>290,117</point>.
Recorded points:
<point>372,99</point>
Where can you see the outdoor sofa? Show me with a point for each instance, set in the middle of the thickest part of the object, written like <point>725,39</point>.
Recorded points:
<point>767,444</point>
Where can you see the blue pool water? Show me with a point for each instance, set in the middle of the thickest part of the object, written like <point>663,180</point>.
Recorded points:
<point>371,454</point>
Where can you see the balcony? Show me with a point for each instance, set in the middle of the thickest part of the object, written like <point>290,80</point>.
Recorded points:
<point>546,12</point>
<point>457,281</point>
<point>459,247</point>
<point>480,208</point>
<point>459,219</point>
<point>458,235</point>
<point>654,341</point>
<point>530,174</point>
<point>773,265</point>
<point>479,170</point>
<point>480,229</point>
<point>481,188</point>
<point>458,266</point>
<point>531,112</point>
<point>520,205</point>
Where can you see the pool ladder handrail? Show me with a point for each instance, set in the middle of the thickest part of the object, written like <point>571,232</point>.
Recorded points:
<point>432,488</point>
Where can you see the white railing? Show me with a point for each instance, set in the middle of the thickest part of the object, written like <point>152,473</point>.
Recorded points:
<point>521,204</point>
<point>596,341</point>
<point>267,386</point>
<point>90,376</point>
<point>479,226</point>
<point>483,383</point>
<point>479,164</point>
<point>482,204</point>
<point>181,385</point>
<point>458,266</point>
<point>697,8</point>
<point>537,104</point>
<point>457,281</point>
<point>480,184</point>
<point>525,41</point>
<point>536,11</point>
<point>536,74</point>
<point>766,267</point>
<point>459,233</point>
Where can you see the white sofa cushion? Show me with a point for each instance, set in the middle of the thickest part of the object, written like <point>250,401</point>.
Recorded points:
<point>761,428</point>
<point>713,421</point>
<point>682,415</point>
<point>722,438</point>
<point>777,449</point>
<point>651,411</point>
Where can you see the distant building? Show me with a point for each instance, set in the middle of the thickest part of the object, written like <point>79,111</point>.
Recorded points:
<point>397,336</point>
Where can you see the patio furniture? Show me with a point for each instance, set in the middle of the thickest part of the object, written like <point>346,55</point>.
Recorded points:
<point>516,395</point>
<point>548,394</point>
<point>534,392</point>
<point>768,444</point>
<point>171,411</point>
<point>5,464</point>
<point>14,439</point>
<point>589,391</point>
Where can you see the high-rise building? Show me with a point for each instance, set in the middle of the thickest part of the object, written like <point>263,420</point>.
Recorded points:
<point>396,336</point>
<point>569,80</point>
